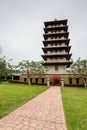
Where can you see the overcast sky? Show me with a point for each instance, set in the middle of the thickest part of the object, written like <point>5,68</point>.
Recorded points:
<point>22,23</point>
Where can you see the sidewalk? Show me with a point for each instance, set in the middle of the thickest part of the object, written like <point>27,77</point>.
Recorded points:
<point>45,112</point>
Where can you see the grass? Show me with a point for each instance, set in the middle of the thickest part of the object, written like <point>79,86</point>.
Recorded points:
<point>75,107</point>
<point>13,96</point>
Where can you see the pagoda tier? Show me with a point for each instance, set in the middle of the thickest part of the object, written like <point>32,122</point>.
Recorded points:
<point>67,56</point>
<point>57,63</point>
<point>57,28</point>
<point>56,45</point>
<point>66,48</point>
<point>58,41</point>
<point>56,35</point>
<point>56,23</point>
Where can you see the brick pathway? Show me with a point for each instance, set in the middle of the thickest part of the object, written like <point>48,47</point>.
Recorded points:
<point>45,112</point>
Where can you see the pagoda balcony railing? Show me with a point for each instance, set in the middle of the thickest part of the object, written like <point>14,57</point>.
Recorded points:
<point>55,53</point>
<point>53,32</point>
<point>58,60</point>
<point>56,39</point>
<point>52,26</point>
<point>62,45</point>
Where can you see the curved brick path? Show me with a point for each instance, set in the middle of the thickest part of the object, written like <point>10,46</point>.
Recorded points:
<point>45,112</point>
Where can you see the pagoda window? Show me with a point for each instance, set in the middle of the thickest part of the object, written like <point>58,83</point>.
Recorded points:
<point>60,43</point>
<point>16,77</point>
<point>51,51</point>
<point>25,79</point>
<point>55,25</point>
<point>61,57</point>
<point>31,80</point>
<point>55,31</point>
<point>59,37</point>
<point>56,51</point>
<point>60,50</point>
<point>55,37</point>
<point>36,79</point>
<point>56,68</point>
<point>77,80</point>
<point>42,80</point>
<point>70,80</point>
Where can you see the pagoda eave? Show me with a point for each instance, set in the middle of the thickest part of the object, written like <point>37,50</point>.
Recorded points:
<point>56,48</point>
<point>56,55</point>
<point>56,41</point>
<point>55,22</point>
<point>65,28</point>
<point>58,63</point>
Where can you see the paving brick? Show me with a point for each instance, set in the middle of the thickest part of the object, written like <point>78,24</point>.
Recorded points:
<point>45,112</point>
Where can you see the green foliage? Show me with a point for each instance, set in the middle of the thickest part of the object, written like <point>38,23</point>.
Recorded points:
<point>14,95</point>
<point>12,69</point>
<point>6,69</point>
<point>75,107</point>
<point>31,68</point>
<point>3,68</point>
<point>79,68</point>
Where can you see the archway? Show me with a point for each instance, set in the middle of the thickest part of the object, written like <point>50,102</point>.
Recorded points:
<point>55,80</point>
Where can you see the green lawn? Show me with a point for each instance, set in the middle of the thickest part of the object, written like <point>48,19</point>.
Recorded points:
<point>14,95</point>
<point>75,107</point>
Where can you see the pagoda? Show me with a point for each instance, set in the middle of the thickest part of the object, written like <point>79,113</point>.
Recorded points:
<point>56,46</point>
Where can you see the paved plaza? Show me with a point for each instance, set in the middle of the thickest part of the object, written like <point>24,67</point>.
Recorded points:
<point>45,112</point>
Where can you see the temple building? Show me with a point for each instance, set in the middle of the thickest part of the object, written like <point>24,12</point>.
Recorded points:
<point>56,55</point>
<point>56,47</point>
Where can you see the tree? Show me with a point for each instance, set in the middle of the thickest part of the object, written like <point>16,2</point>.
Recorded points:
<point>11,69</point>
<point>31,68</point>
<point>0,51</point>
<point>3,68</point>
<point>79,68</point>
<point>6,68</point>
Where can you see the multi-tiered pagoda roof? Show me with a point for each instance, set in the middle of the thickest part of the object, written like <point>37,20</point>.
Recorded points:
<point>56,43</point>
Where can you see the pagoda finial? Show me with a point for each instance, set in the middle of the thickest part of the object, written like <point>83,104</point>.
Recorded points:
<point>55,19</point>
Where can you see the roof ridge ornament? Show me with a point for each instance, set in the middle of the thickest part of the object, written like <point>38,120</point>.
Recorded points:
<point>55,19</point>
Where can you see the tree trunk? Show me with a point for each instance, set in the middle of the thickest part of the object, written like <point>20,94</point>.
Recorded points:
<point>85,83</point>
<point>29,83</point>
